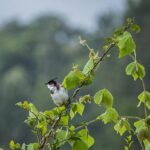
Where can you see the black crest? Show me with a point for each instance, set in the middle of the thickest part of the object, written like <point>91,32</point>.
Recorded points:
<point>52,81</point>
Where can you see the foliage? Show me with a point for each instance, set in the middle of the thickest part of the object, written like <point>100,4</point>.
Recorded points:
<point>54,128</point>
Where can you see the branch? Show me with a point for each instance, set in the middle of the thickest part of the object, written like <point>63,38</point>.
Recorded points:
<point>54,125</point>
<point>96,64</point>
<point>110,46</point>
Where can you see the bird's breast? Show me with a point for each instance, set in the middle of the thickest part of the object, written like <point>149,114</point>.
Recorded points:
<point>60,96</point>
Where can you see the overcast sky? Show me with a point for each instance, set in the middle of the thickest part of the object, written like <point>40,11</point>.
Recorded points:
<point>80,13</point>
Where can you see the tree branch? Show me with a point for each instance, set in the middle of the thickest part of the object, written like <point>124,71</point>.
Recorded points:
<point>55,124</point>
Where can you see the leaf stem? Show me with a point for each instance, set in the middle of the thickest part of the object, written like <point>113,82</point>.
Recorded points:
<point>132,117</point>
<point>132,57</point>
<point>86,124</point>
<point>143,84</point>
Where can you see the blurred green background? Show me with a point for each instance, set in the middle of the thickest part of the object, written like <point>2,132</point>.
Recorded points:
<point>46,46</point>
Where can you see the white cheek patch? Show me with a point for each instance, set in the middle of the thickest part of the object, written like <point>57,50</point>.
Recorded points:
<point>50,87</point>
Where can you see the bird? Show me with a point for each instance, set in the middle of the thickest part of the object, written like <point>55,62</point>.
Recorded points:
<point>58,93</point>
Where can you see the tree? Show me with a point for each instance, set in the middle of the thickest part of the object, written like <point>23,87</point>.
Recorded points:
<point>54,127</point>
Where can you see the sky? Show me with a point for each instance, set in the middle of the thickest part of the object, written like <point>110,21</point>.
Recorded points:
<point>79,13</point>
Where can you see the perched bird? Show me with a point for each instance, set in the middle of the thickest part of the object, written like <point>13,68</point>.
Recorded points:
<point>58,93</point>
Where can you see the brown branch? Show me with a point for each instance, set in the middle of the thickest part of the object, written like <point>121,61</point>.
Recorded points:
<point>96,64</point>
<point>45,139</point>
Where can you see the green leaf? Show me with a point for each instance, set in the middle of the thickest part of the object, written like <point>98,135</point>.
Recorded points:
<point>80,108</point>
<point>129,142</point>
<point>31,121</point>
<point>89,66</point>
<point>33,110</point>
<point>136,28</point>
<point>122,126</point>
<point>136,70</point>
<point>85,99</point>
<point>61,136</point>
<point>88,69</point>
<point>84,136</point>
<point>104,97</point>
<point>110,115</point>
<point>144,134</point>
<point>64,120</point>
<point>139,125</point>
<point>43,127</point>
<point>147,144</point>
<point>144,98</point>
<point>129,20</point>
<point>126,148</point>
<point>24,105</point>
<point>33,146</point>
<point>126,44</point>
<point>71,128</point>
<point>14,146</point>
<point>117,33</point>
<point>89,79</point>
<point>72,111</point>
<point>76,108</point>
<point>79,145</point>
<point>73,79</point>
<point>52,114</point>
<point>142,130</point>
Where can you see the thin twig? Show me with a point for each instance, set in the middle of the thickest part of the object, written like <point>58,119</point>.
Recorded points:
<point>76,91</point>
<point>104,54</point>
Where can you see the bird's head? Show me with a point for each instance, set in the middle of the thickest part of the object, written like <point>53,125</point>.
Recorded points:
<point>52,85</point>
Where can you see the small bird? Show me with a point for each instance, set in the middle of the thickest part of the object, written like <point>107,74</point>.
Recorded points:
<point>58,93</point>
